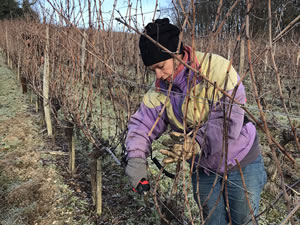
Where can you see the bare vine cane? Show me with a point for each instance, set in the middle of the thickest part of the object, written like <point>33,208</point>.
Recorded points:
<point>207,80</point>
<point>278,76</point>
<point>271,205</point>
<point>262,115</point>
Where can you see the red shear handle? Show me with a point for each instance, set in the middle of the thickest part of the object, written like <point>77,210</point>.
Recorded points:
<point>142,187</point>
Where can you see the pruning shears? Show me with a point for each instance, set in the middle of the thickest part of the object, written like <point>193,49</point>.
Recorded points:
<point>143,188</point>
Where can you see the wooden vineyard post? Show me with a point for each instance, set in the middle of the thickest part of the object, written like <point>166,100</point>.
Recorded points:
<point>266,61</point>
<point>7,49</point>
<point>242,56</point>
<point>37,105</point>
<point>69,132</point>
<point>31,98</point>
<point>10,64</point>
<point>72,154</point>
<point>266,66</point>
<point>99,188</point>
<point>229,49</point>
<point>46,86</point>
<point>19,66</point>
<point>298,59</point>
<point>82,58</point>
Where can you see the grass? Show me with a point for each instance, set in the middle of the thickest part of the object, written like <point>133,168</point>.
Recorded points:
<point>30,193</point>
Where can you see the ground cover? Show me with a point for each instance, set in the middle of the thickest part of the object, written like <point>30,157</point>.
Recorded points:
<point>36,187</point>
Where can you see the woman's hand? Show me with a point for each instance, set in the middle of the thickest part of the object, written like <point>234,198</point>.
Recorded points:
<point>179,148</point>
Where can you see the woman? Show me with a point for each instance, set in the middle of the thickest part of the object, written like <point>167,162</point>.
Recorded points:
<point>207,108</point>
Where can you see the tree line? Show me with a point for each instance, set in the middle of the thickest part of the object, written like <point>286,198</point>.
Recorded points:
<point>283,12</point>
<point>11,9</point>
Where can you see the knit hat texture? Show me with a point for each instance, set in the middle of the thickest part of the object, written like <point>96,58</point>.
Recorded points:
<point>163,32</point>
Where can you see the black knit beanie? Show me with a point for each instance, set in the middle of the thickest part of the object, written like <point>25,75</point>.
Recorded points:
<point>163,32</point>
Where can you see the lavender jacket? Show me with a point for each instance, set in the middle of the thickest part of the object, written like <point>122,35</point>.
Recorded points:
<point>200,109</point>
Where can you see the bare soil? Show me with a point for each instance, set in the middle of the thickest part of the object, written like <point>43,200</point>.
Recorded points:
<point>36,187</point>
<point>31,192</point>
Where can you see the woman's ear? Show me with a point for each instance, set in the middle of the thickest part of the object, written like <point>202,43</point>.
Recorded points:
<point>177,62</point>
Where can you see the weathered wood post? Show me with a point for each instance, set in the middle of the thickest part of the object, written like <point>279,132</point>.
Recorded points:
<point>298,59</point>
<point>82,58</point>
<point>31,96</point>
<point>69,132</point>
<point>95,165</point>
<point>72,154</point>
<point>19,65</point>
<point>7,47</point>
<point>229,49</point>
<point>266,66</point>
<point>242,56</point>
<point>46,86</point>
<point>266,61</point>
<point>99,187</point>
<point>37,104</point>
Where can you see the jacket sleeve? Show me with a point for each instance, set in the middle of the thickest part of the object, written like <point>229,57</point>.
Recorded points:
<point>138,143</point>
<point>210,135</point>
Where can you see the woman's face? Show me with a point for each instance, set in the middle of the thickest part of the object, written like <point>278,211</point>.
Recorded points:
<point>164,69</point>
